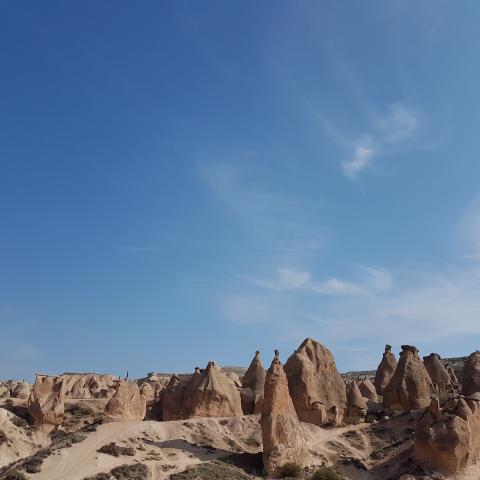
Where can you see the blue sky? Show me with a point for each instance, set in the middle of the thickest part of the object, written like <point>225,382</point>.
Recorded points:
<point>187,181</point>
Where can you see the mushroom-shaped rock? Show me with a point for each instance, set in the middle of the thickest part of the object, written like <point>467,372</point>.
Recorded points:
<point>439,374</point>
<point>253,384</point>
<point>283,441</point>
<point>357,405</point>
<point>448,440</point>
<point>211,393</point>
<point>411,386</point>
<point>385,370</point>
<point>46,404</point>
<point>471,374</point>
<point>127,403</point>
<point>317,389</point>
<point>367,389</point>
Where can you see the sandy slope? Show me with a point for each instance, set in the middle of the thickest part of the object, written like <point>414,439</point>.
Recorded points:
<point>166,447</point>
<point>19,444</point>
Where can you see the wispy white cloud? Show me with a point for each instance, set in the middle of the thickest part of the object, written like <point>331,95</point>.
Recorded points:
<point>372,279</point>
<point>362,156</point>
<point>385,133</point>
<point>287,279</point>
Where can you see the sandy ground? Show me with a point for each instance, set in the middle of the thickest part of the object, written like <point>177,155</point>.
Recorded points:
<point>166,447</point>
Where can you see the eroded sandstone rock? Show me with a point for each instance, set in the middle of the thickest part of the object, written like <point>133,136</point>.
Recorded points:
<point>357,405</point>
<point>448,440</point>
<point>127,403</point>
<point>385,370</point>
<point>211,393</point>
<point>89,385</point>
<point>411,386</point>
<point>471,374</point>
<point>253,384</point>
<point>283,441</point>
<point>439,375</point>
<point>317,389</point>
<point>46,403</point>
<point>206,393</point>
<point>367,389</point>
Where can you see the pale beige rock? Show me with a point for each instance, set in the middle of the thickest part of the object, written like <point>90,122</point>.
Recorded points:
<point>411,386</point>
<point>448,440</point>
<point>281,432</point>
<point>211,393</point>
<point>206,393</point>
<point>471,374</point>
<point>439,375</point>
<point>235,379</point>
<point>367,389</point>
<point>172,397</point>
<point>46,403</point>
<point>357,405</point>
<point>453,377</point>
<point>89,385</point>
<point>385,370</point>
<point>317,389</point>
<point>127,403</point>
<point>253,384</point>
<point>22,390</point>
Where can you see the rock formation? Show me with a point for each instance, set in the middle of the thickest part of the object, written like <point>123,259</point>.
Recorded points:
<point>281,430</point>
<point>471,374</point>
<point>46,403</point>
<point>448,440</point>
<point>453,377</point>
<point>253,384</point>
<point>317,389</point>
<point>21,390</point>
<point>385,370</point>
<point>357,405</point>
<point>211,393</point>
<point>206,393</point>
<point>89,385</point>
<point>367,389</point>
<point>439,375</point>
<point>411,386</point>
<point>172,397</point>
<point>127,403</point>
<point>14,389</point>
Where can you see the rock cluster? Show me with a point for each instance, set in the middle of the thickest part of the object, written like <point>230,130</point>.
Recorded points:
<point>207,393</point>
<point>281,431</point>
<point>385,370</point>
<point>471,374</point>
<point>317,389</point>
<point>448,440</point>
<point>88,385</point>
<point>411,386</point>
<point>14,389</point>
<point>46,404</point>
<point>127,403</point>
<point>253,384</point>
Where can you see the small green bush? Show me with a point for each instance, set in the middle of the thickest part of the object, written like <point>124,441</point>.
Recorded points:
<point>290,470</point>
<point>327,473</point>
